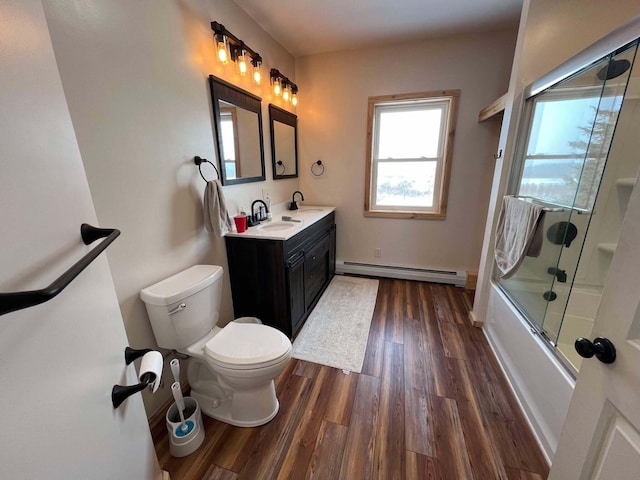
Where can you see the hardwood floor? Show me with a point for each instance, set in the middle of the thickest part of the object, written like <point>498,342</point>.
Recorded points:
<point>430,403</point>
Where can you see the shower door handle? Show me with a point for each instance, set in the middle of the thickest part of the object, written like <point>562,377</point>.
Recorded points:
<point>601,347</point>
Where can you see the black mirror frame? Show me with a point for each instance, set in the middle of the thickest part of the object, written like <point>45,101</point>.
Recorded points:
<point>227,92</point>
<point>277,114</point>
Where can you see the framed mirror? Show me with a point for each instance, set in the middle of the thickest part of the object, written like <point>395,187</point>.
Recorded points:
<point>237,116</point>
<point>284,143</point>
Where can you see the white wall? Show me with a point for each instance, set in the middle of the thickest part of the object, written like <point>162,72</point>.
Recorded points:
<point>135,79</point>
<point>333,121</point>
<point>59,359</point>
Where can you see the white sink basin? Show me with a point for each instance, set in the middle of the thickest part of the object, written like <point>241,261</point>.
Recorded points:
<point>276,226</point>
<point>304,210</point>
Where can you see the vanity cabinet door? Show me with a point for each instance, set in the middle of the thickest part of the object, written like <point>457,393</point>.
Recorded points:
<point>295,286</point>
<point>332,252</point>
<point>316,269</point>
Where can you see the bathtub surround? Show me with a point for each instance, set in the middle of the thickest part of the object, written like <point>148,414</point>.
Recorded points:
<point>336,332</point>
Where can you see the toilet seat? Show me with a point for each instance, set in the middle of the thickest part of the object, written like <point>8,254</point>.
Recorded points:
<point>245,346</point>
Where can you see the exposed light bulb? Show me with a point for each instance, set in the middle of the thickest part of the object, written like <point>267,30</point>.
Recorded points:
<point>277,88</point>
<point>242,63</point>
<point>294,99</point>
<point>285,93</point>
<point>257,76</point>
<point>223,49</point>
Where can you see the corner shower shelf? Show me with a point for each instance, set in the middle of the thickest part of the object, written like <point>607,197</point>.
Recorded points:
<point>607,247</point>
<point>628,182</point>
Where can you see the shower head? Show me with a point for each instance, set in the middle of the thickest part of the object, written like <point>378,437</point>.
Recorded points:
<point>614,69</point>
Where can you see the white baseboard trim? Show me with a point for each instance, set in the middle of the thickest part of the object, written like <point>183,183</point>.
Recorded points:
<point>475,321</point>
<point>458,278</point>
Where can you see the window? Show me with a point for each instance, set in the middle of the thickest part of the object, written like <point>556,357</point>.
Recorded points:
<point>229,132</point>
<point>410,143</point>
<point>568,142</point>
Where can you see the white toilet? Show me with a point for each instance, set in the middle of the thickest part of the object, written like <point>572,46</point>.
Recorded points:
<point>232,369</point>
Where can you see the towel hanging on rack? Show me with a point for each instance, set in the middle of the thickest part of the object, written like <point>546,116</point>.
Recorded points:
<point>216,216</point>
<point>519,234</point>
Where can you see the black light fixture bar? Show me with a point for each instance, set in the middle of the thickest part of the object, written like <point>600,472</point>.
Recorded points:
<point>235,44</point>
<point>284,81</point>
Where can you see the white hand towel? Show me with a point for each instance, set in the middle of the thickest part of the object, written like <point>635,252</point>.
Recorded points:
<point>519,224</point>
<point>216,217</point>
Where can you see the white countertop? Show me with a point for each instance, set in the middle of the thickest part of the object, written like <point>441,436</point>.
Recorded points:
<point>277,229</point>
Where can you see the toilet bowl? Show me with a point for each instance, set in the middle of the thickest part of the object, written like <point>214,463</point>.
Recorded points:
<point>231,369</point>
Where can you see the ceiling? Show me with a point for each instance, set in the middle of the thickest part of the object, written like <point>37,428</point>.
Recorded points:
<point>307,27</point>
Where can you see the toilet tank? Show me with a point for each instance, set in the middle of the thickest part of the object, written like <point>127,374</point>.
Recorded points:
<point>184,307</point>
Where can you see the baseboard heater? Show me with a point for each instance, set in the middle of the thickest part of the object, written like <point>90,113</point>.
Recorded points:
<point>406,273</point>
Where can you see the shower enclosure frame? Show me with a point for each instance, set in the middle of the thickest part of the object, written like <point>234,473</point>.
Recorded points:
<point>539,379</point>
<point>578,99</point>
<point>605,49</point>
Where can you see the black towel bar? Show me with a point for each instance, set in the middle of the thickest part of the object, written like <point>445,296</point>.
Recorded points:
<point>12,301</point>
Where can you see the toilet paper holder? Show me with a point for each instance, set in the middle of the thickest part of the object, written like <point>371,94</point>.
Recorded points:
<point>131,354</point>
<point>119,393</point>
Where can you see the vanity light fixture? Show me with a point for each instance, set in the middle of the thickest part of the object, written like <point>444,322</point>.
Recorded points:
<point>283,86</point>
<point>231,47</point>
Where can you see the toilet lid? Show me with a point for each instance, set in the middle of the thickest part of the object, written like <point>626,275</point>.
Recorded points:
<point>247,343</point>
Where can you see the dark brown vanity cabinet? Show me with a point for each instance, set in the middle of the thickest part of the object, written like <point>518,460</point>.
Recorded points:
<point>280,281</point>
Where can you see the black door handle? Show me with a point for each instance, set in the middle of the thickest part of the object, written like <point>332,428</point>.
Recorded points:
<point>601,347</point>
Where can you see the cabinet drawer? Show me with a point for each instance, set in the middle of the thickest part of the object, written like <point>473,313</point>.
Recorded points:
<point>316,255</point>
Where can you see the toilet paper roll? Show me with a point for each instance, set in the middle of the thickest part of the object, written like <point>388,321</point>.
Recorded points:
<point>152,363</point>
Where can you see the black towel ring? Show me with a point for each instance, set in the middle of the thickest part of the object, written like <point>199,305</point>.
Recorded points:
<point>321,167</point>
<point>199,161</point>
<point>280,164</point>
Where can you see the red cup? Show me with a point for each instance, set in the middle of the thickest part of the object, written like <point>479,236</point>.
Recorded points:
<point>241,223</point>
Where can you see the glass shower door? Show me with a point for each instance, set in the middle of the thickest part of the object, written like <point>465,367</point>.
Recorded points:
<point>561,158</point>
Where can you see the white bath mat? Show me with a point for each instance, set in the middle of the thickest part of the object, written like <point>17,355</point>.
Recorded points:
<point>336,332</point>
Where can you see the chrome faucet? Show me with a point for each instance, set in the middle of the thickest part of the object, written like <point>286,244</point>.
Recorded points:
<point>257,218</point>
<point>293,205</point>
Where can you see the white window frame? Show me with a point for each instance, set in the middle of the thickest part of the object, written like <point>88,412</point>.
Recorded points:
<point>445,100</point>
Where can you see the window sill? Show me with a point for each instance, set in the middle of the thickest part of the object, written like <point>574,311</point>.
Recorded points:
<point>407,215</point>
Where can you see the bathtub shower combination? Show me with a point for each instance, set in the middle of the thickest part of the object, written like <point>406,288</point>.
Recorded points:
<point>577,156</point>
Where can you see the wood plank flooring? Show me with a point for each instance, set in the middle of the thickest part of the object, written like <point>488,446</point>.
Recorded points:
<point>430,403</point>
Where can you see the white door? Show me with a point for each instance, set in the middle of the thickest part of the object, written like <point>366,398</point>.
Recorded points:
<point>601,435</point>
<point>59,360</point>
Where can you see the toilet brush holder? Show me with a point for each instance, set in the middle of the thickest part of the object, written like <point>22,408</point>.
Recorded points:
<point>184,441</point>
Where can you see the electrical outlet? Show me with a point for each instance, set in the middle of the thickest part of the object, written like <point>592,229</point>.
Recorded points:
<point>377,253</point>
<point>266,197</point>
